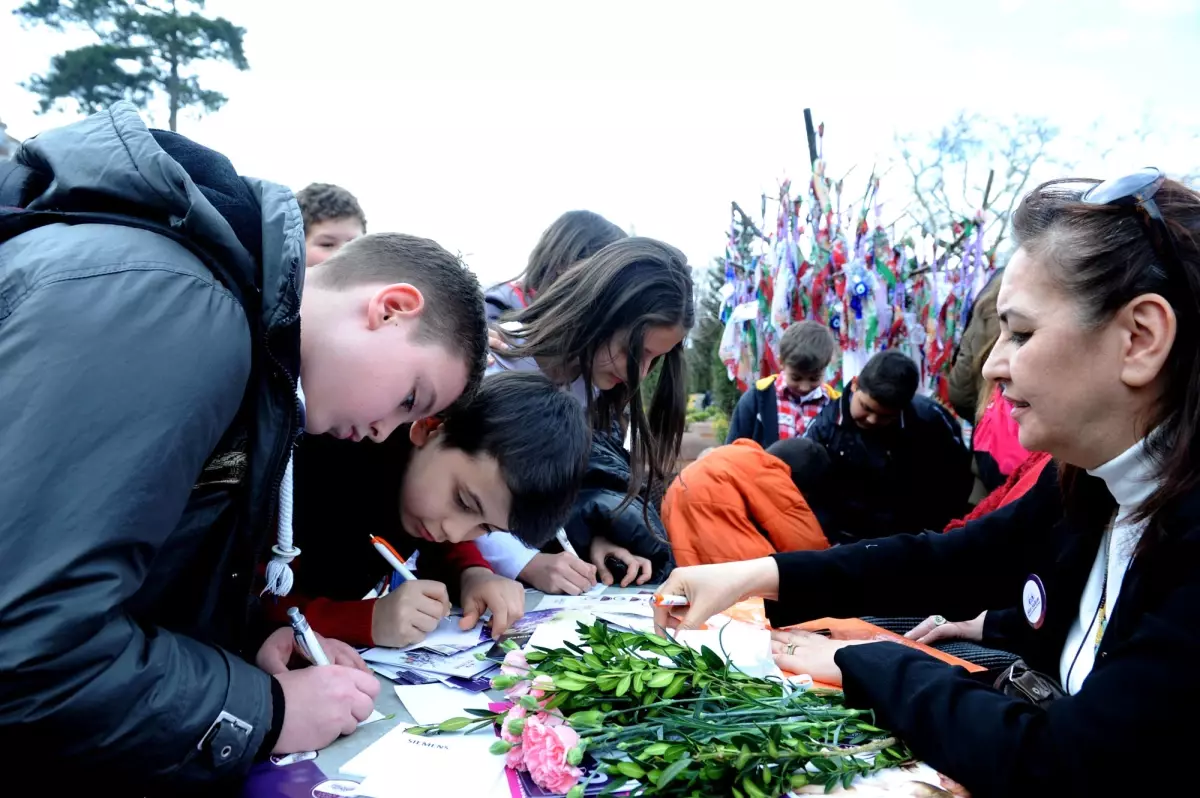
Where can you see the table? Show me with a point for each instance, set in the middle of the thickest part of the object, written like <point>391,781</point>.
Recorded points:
<point>319,778</point>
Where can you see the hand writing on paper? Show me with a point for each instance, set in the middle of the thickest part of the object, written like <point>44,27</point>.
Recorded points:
<point>711,589</point>
<point>410,612</point>
<point>637,569</point>
<point>320,704</point>
<point>559,573</point>
<point>805,652</point>
<point>936,629</point>
<point>483,590</point>
<point>280,649</point>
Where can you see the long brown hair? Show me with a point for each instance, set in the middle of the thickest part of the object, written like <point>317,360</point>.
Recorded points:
<point>572,237</point>
<point>1103,257</point>
<point>627,288</point>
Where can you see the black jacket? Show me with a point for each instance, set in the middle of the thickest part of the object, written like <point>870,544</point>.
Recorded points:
<point>135,494</point>
<point>912,475</point>
<point>1143,685</point>
<point>595,511</point>
<point>756,415</point>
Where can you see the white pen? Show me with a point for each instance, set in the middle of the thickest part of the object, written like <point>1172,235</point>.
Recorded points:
<point>385,549</point>
<point>307,638</point>
<point>565,542</point>
<point>668,600</point>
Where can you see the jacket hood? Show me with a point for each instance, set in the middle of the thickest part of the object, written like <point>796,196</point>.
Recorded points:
<point>112,162</point>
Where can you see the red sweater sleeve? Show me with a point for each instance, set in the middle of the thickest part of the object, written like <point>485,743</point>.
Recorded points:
<point>348,621</point>
<point>461,556</point>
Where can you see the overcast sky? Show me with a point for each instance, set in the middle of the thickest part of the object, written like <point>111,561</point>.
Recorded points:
<point>477,123</point>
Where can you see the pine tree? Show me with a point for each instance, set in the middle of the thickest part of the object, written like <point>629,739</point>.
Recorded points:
<point>144,50</point>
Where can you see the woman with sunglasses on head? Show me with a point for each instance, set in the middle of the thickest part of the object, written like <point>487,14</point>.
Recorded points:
<point>598,331</point>
<point>1098,565</point>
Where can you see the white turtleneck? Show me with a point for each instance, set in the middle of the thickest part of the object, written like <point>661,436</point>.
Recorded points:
<point>1129,477</point>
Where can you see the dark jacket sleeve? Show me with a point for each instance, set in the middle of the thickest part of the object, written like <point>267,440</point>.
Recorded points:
<point>742,423</point>
<point>118,384</point>
<point>997,746</point>
<point>636,527</point>
<point>922,574</point>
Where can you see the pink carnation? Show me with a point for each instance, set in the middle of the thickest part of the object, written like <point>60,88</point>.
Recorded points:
<point>546,750</point>
<point>515,663</point>
<point>516,713</point>
<point>515,759</point>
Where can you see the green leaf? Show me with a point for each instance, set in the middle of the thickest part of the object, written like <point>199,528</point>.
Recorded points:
<point>675,752</point>
<point>639,684</point>
<point>676,686</point>
<point>712,658</point>
<point>798,779</point>
<point>660,679</point>
<point>623,685</point>
<point>421,729</point>
<point>673,770</point>
<point>630,770</point>
<point>848,779</point>
<point>481,713</point>
<point>535,656</point>
<point>752,789</point>
<point>655,749</point>
<point>593,662</point>
<point>565,682</point>
<point>454,724</point>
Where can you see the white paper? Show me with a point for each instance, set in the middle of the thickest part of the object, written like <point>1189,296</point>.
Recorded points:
<point>434,703</point>
<point>375,715</point>
<point>560,630</point>
<point>449,638</point>
<point>639,603</point>
<point>402,764</point>
<point>746,647</point>
<point>463,664</point>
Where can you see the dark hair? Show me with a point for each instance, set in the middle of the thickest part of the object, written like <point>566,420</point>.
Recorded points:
<point>320,202</point>
<point>808,460</point>
<point>806,346</point>
<point>890,378</point>
<point>626,288</point>
<point>574,236</point>
<point>540,438</point>
<point>453,315</point>
<point>1103,258</point>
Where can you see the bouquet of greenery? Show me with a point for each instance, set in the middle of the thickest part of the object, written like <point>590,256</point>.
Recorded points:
<point>677,721</point>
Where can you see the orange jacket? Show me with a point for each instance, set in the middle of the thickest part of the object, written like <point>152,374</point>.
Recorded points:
<point>714,510</point>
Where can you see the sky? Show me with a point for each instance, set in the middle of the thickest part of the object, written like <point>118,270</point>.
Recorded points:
<point>477,123</point>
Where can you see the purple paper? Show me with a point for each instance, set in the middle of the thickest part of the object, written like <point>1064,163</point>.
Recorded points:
<point>299,780</point>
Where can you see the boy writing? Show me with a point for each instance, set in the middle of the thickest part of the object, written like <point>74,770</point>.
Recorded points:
<point>511,457</point>
<point>783,405</point>
<point>155,381</point>
<point>898,463</point>
<point>739,502</point>
<point>332,219</point>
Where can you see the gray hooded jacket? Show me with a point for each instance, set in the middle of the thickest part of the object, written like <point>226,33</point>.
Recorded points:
<point>132,490</point>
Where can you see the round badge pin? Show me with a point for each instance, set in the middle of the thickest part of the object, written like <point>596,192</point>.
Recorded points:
<point>1033,601</point>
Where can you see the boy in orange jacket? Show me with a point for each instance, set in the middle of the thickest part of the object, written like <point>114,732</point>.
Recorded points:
<point>740,502</point>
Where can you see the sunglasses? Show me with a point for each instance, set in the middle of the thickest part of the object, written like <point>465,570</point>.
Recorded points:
<point>1137,191</point>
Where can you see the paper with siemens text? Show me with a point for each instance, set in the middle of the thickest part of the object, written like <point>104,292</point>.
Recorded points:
<point>434,703</point>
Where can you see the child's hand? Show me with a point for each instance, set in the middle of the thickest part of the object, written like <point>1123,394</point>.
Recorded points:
<point>483,590</point>
<point>408,613</point>
<point>637,569</point>
<point>559,573</point>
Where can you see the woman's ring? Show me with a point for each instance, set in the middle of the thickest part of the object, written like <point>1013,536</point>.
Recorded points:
<point>938,620</point>
<point>791,649</point>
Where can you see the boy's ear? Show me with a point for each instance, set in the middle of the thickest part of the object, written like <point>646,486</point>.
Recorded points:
<point>423,431</point>
<point>393,304</point>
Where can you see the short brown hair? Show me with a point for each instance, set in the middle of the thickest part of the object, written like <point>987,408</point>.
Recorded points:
<point>320,202</point>
<point>806,346</point>
<point>453,316</point>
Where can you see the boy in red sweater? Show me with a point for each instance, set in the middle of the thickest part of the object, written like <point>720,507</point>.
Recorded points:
<point>511,457</point>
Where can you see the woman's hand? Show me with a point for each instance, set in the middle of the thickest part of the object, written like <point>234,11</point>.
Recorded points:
<point>806,652</point>
<point>711,589</point>
<point>637,569</point>
<point>935,629</point>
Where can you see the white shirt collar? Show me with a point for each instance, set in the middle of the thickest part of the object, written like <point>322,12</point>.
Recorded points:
<point>1129,476</point>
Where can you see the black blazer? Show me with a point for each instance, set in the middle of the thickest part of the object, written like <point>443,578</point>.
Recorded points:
<point>1144,684</point>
